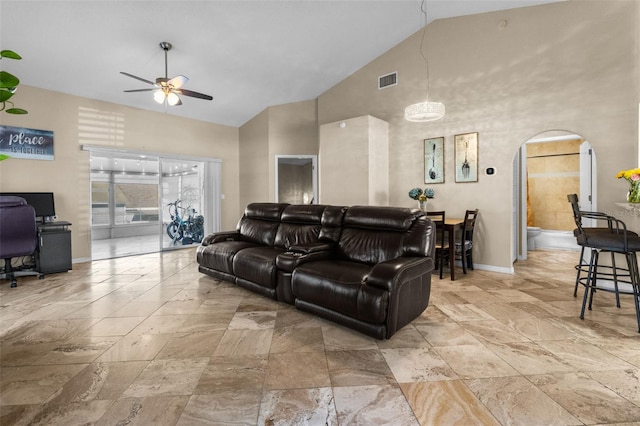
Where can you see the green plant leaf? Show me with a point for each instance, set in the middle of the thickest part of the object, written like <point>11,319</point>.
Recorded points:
<point>5,95</point>
<point>16,111</point>
<point>3,157</point>
<point>8,80</point>
<point>10,54</point>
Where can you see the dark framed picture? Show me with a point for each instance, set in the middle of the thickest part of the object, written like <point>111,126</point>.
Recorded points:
<point>466,157</point>
<point>434,160</point>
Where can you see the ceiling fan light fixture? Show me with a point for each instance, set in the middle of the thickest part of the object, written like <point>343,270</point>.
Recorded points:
<point>166,90</point>
<point>173,99</point>
<point>158,96</point>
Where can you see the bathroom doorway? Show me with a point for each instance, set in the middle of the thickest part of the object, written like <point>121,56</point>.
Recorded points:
<point>547,167</point>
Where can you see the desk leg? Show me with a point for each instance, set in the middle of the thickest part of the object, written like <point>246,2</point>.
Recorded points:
<point>452,253</point>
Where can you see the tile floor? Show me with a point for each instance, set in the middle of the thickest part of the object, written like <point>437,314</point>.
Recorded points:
<point>148,340</point>
<point>130,246</point>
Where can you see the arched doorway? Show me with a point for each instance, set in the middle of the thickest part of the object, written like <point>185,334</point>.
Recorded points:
<point>546,168</point>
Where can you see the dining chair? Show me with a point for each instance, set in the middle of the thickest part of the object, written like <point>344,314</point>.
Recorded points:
<point>442,243</point>
<point>464,247</point>
<point>617,240</point>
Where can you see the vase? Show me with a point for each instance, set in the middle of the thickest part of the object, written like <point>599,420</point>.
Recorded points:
<point>633,196</point>
<point>422,205</point>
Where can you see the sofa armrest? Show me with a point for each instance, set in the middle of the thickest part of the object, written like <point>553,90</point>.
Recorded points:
<point>220,236</point>
<point>385,275</point>
<point>289,260</point>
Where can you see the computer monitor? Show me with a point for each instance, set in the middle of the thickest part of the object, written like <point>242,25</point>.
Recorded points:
<point>42,203</point>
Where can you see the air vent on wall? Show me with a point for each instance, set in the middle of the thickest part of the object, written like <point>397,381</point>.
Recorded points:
<point>388,80</point>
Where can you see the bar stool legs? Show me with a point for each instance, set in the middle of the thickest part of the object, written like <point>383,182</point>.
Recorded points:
<point>632,260</point>
<point>614,273</point>
<point>592,281</point>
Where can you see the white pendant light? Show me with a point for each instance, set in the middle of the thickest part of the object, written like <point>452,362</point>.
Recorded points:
<point>424,111</point>
<point>427,110</point>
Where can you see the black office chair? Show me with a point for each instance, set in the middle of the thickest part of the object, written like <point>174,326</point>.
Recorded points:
<point>464,247</point>
<point>617,240</point>
<point>442,243</point>
<point>18,232</point>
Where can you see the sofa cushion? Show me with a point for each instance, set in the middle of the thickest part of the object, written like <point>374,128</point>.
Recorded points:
<point>374,234</point>
<point>340,286</point>
<point>299,225</point>
<point>219,256</point>
<point>260,222</point>
<point>257,264</point>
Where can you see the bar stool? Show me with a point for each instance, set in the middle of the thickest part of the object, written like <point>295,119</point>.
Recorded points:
<point>617,241</point>
<point>582,266</point>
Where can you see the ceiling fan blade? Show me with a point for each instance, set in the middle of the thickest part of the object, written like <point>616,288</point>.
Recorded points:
<point>140,90</point>
<point>194,94</point>
<point>178,81</point>
<point>137,78</point>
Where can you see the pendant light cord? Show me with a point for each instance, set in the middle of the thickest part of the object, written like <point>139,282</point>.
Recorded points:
<point>423,8</point>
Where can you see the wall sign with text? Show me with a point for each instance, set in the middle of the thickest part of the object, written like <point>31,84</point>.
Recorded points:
<point>20,142</point>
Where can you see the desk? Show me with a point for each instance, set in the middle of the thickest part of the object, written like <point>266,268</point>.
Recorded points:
<point>452,225</point>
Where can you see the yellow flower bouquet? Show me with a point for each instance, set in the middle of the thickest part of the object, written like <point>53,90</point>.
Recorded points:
<point>633,177</point>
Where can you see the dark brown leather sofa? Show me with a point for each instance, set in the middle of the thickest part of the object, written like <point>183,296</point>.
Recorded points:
<point>365,267</point>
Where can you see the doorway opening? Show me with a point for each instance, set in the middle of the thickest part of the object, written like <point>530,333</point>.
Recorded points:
<point>296,179</point>
<point>546,169</point>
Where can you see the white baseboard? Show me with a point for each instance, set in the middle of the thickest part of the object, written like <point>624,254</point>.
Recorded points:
<point>492,268</point>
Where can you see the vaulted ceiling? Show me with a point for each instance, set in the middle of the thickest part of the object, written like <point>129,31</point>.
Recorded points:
<point>247,54</point>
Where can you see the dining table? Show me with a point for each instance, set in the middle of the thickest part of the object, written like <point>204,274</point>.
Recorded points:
<point>451,227</point>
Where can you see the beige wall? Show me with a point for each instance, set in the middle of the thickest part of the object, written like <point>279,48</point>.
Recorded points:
<point>69,117</point>
<point>289,129</point>
<point>565,66</point>
<point>254,160</point>
<point>354,162</point>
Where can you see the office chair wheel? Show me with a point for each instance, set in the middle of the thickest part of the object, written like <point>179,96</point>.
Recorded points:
<point>40,276</point>
<point>14,283</point>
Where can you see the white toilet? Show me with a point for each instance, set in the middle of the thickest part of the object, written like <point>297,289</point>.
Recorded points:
<point>532,233</point>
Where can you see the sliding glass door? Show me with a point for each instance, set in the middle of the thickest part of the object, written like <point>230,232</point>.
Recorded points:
<point>142,203</point>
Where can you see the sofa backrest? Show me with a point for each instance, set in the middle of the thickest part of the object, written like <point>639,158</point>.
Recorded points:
<point>260,222</point>
<point>332,223</point>
<point>368,234</point>
<point>299,224</point>
<point>373,234</point>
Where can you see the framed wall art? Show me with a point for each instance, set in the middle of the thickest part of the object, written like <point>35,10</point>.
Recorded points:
<point>434,160</point>
<point>20,142</point>
<point>466,157</point>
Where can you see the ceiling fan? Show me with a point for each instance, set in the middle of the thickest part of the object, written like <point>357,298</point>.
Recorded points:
<point>166,89</point>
